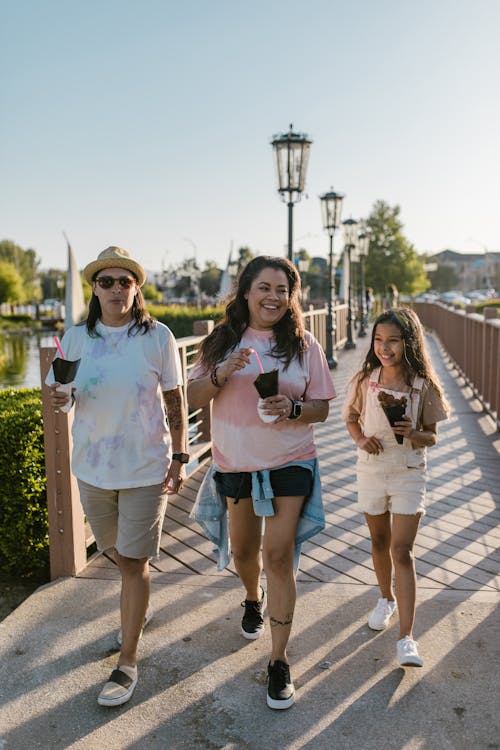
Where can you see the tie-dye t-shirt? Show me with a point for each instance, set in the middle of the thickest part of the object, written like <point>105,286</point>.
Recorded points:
<point>120,436</point>
<point>241,441</point>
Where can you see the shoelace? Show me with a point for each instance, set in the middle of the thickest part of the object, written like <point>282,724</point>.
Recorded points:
<point>280,670</point>
<point>409,646</point>
<point>253,611</point>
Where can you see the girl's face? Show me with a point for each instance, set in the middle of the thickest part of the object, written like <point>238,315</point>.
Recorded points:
<point>388,344</point>
<point>267,298</point>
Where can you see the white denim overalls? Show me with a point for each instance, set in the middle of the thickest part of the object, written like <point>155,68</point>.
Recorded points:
<point>395,478</point>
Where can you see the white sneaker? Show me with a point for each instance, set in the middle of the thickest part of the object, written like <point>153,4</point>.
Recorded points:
<point>148,617</point>
<point>380,616</point>
<point>408,653</point>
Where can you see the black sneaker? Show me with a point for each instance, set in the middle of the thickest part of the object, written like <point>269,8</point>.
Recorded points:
<point>252,624</point>
<point>280,689</point>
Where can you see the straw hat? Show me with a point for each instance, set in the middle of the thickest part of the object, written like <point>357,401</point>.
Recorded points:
<point>115,257</point>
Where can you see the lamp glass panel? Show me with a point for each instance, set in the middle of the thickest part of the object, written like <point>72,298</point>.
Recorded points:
<point>292,158</point>
<point>331,211</point>
<point>350,232</point>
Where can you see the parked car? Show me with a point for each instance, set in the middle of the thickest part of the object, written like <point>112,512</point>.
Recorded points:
<point>454,298</point>
<point>427,297</point>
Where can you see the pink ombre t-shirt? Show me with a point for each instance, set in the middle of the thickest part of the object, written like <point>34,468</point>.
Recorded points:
<point>240,440</point>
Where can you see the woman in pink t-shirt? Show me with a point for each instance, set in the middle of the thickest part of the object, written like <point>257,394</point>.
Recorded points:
<point>255,439</point>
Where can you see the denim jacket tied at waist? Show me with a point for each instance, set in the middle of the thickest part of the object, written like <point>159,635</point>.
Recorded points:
<point>210,509</point>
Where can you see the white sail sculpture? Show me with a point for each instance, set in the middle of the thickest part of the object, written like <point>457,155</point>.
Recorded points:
<point>73,301</point>
<point>227,278</point>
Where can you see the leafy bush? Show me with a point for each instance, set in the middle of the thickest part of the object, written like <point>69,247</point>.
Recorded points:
<point>180,318</point>
<point>24,541</point>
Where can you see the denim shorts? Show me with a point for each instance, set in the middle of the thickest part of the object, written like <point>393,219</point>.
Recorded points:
<point>292,481</point>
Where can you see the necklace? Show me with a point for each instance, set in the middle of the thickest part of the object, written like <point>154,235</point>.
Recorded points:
<point>116,339</point>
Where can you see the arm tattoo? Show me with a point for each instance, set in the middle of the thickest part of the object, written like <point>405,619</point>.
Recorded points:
<point>287,621</point>
<point>174,406</point>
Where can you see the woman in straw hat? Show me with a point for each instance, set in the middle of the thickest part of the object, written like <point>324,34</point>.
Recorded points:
<point>125,457</point>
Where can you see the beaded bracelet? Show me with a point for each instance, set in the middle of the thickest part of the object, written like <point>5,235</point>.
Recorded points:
<point>213,379</point>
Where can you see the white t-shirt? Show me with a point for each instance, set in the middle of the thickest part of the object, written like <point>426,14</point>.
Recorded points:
<point>120,435</point>
<point>241,441</point>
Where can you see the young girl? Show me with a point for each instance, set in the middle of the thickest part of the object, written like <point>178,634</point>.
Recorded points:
<point>391,471</point>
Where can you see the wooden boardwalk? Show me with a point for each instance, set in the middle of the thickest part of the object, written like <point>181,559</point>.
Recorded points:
<point>458,542</point>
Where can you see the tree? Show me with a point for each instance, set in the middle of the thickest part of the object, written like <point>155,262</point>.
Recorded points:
<point>392,258</point>
<point>52,283</point>
<point>11,283</point>
<point>245,255</point>
<point>444,278</point>
<point>26,264</point>
<point>210,279</point>
<point>151,293</point>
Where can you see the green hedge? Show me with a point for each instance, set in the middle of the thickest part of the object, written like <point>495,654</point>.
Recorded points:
<point>180,318</point>
<point>487,303</point>
<point>24,541</point>
<point>16,321</point>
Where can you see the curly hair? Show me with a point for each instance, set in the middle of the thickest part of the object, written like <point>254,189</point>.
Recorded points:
<point>289,333</point>
<point>416,360</point>
<point>141,319</point>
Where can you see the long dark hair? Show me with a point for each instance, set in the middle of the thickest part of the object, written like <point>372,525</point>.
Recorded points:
<point>289,333</point>
<point>416,360</point>
<point>142,321</point>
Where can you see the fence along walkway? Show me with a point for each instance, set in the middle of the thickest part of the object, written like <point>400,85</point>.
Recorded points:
<point>457,545</point>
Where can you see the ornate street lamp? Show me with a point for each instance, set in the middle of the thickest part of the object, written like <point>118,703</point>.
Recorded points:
<point>331,210</point>
<point>363,248</point>
<point>292,156</point>
<point>350,240</point>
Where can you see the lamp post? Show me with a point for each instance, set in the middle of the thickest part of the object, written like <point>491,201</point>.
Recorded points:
<point>331,209</point>
<point>292,155</point>
<point>350,238</point>
<point>363,246</point>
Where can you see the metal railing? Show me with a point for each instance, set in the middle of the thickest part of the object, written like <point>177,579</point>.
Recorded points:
<point>472,341</point>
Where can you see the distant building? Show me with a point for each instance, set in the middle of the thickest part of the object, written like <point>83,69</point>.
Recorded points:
<point>474,270</point>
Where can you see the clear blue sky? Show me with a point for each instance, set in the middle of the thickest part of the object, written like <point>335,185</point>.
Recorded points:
<point>147,123</point>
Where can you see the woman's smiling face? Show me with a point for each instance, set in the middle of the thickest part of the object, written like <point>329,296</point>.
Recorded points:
<point>267,298</point>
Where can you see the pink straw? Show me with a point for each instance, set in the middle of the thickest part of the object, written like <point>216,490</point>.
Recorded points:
<point>56,341</point>
<point>252,351</point>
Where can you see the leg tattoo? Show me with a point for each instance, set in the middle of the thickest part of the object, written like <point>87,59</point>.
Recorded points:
<point>287,621</point>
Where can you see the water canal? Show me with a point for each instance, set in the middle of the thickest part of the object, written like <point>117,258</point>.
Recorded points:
<point>20,358</point>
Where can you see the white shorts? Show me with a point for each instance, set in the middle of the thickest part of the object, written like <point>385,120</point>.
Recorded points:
<point>129,520</point>
<point>384,486</point>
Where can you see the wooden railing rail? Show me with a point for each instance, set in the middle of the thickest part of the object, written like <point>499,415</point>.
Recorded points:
<point>315,322</point>
<point>473,343</point>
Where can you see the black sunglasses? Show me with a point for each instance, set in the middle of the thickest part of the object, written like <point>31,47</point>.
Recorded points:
<point>106,282</point>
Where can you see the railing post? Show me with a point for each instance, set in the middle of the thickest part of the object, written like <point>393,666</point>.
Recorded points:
<point>68,549</point>
<point>203,328</point>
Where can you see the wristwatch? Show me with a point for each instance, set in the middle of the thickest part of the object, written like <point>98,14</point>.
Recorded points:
<point>296,410</point>
<point>182,457</point>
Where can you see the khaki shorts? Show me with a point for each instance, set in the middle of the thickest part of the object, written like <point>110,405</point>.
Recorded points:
<point>129,520</point>
<point>384,487</point>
